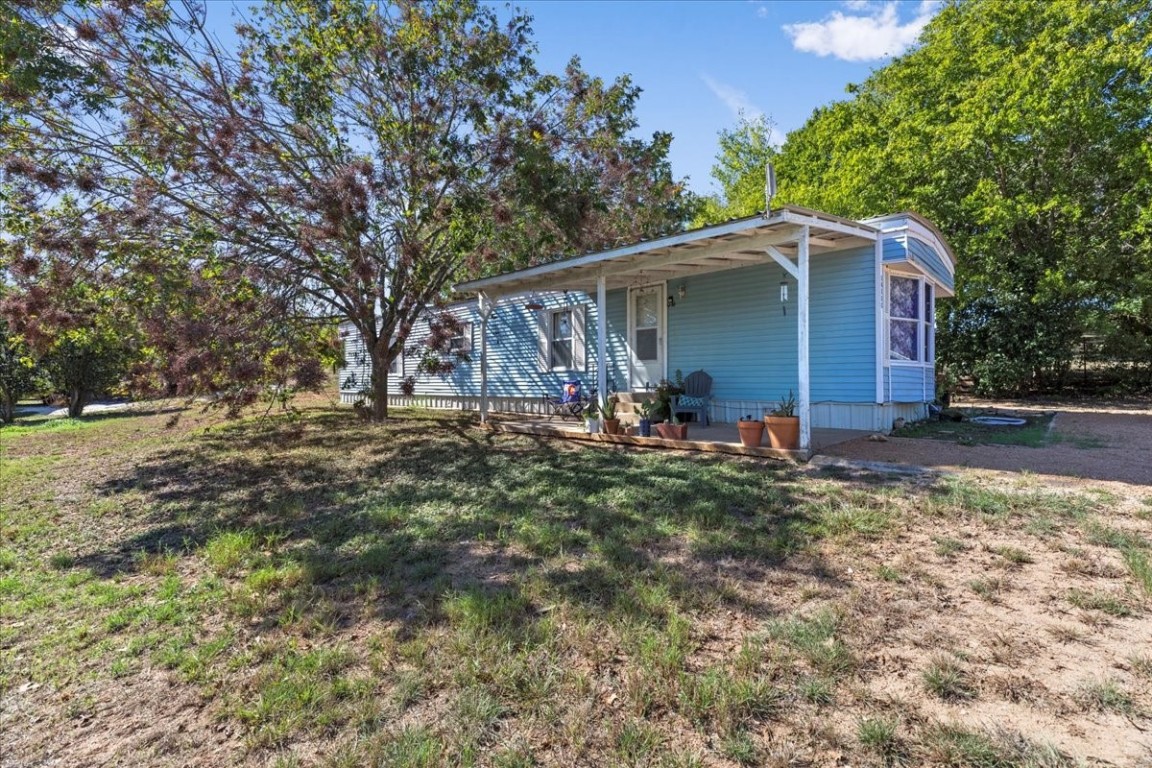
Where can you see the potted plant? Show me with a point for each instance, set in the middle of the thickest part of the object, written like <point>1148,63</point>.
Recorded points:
<point>608,414</point>
<point>672,429</point>
<point>783,424</point>
<point>647,410</point>
<point>592,417</point>
<point>751,431</point>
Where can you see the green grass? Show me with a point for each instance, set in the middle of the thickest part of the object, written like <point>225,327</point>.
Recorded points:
<point>878,734</point>
<point>1106,696</point>
<point>1110,603</point>
<point>1033,434</point>
<point>426,593</point>
<point>946,678</point>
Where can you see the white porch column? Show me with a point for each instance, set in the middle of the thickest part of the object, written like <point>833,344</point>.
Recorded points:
<point>485,306</point>
<point>802,341</point>
<point>602,338</point>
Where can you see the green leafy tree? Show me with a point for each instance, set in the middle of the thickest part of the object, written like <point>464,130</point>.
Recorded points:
<point>18,372</point>
<point>351,158</point>
<point>741,163</point>
<point>1021,128</point>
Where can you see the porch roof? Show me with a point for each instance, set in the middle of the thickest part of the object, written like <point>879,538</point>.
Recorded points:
<point>733,244</point>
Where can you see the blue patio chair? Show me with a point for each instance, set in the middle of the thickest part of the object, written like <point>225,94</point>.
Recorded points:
<point>696,398</point>
<point>570,403</point>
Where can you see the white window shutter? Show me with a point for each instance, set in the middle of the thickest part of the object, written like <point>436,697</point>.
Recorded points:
<point>543,323</point>
<point>579,348</point>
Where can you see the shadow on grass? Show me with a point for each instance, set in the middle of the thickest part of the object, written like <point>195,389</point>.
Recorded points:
<point>429,505</point>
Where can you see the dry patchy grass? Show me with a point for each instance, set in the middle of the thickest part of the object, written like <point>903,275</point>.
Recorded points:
<point>319,591</point>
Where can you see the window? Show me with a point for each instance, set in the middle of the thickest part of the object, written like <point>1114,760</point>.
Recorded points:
<point>911,331</point>
<point>461,341</point>
<point>560,340</point>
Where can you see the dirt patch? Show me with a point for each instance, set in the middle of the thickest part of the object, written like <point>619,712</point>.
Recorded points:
<point>1110,445</point>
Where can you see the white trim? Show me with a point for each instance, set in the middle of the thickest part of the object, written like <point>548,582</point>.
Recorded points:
<point>878,313</point>
<point>601,339</point>
<point>783,261</point>
<point>802,288</point>
<point>484,306</point>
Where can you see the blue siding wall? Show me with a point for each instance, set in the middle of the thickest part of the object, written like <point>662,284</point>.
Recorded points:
<point>731,325</point>
<point>915,251</point>
<point>513,365</point>
<point>908,383</point>
<point>842,329</point>
<point>895,249</point>
<point>926,257</point>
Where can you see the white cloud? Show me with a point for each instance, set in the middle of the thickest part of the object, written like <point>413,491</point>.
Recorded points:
<point>733,98</point>
<point>876,33</point>
<point>857,5</point>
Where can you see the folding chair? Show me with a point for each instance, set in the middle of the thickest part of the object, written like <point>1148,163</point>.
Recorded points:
<point>570,402</point>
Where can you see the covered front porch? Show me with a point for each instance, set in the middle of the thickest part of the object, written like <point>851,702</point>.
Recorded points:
<point>785,240</point>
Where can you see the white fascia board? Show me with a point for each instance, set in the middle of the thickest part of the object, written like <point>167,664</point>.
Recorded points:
<point>864,230</point>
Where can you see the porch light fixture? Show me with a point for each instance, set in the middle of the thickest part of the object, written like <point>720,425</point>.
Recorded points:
<point>683,291</point>
<point>784,295</point>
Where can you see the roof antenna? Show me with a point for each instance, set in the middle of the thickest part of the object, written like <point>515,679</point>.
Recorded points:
<point>769,188</point>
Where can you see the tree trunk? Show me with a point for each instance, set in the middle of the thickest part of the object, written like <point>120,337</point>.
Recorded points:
<point>7,408</point>
<point>76,403</point>
<point>379,382</point>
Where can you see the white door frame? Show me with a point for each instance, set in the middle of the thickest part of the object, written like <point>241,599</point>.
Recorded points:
<point>662,338</point>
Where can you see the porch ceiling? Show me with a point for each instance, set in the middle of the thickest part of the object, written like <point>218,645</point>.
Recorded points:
<point>711,249</point>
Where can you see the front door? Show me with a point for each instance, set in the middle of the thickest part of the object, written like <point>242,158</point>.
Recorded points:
<point>646,336</point>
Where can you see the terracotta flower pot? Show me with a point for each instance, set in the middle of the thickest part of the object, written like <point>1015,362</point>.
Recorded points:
<point>611,426</point>
<point>751,433</point>
<point>672,431</point>
<point>783,432</point>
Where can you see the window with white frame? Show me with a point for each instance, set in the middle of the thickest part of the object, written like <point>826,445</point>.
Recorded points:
<point>461,341</point>
<point>560,339</point>
<point>911,331</point>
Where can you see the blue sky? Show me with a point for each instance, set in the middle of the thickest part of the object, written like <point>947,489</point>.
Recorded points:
<point>700,63</point>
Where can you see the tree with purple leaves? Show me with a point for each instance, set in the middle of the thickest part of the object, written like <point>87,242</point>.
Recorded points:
<point>348,159</point>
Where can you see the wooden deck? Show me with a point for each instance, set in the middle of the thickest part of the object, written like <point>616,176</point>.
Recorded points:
<point>715,438</point>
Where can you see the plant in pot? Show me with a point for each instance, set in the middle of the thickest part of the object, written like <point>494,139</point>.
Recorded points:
<point>608,413</point>
<point>751,431</point>
<point>592,417</point>
<point>647,410</point>
<point>672,429</point>
<point>783,424</point>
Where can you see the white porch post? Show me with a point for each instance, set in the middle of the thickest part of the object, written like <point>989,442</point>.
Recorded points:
<point>602,338</point>
<point>485,305</point>
<point>802,341</point>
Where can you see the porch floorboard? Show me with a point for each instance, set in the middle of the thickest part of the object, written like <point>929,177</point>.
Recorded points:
<point>714,438</point>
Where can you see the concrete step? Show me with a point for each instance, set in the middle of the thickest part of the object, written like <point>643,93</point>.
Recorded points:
<point>634,397</point>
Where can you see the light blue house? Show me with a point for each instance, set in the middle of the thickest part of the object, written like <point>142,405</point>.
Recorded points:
<point>839,312</point>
